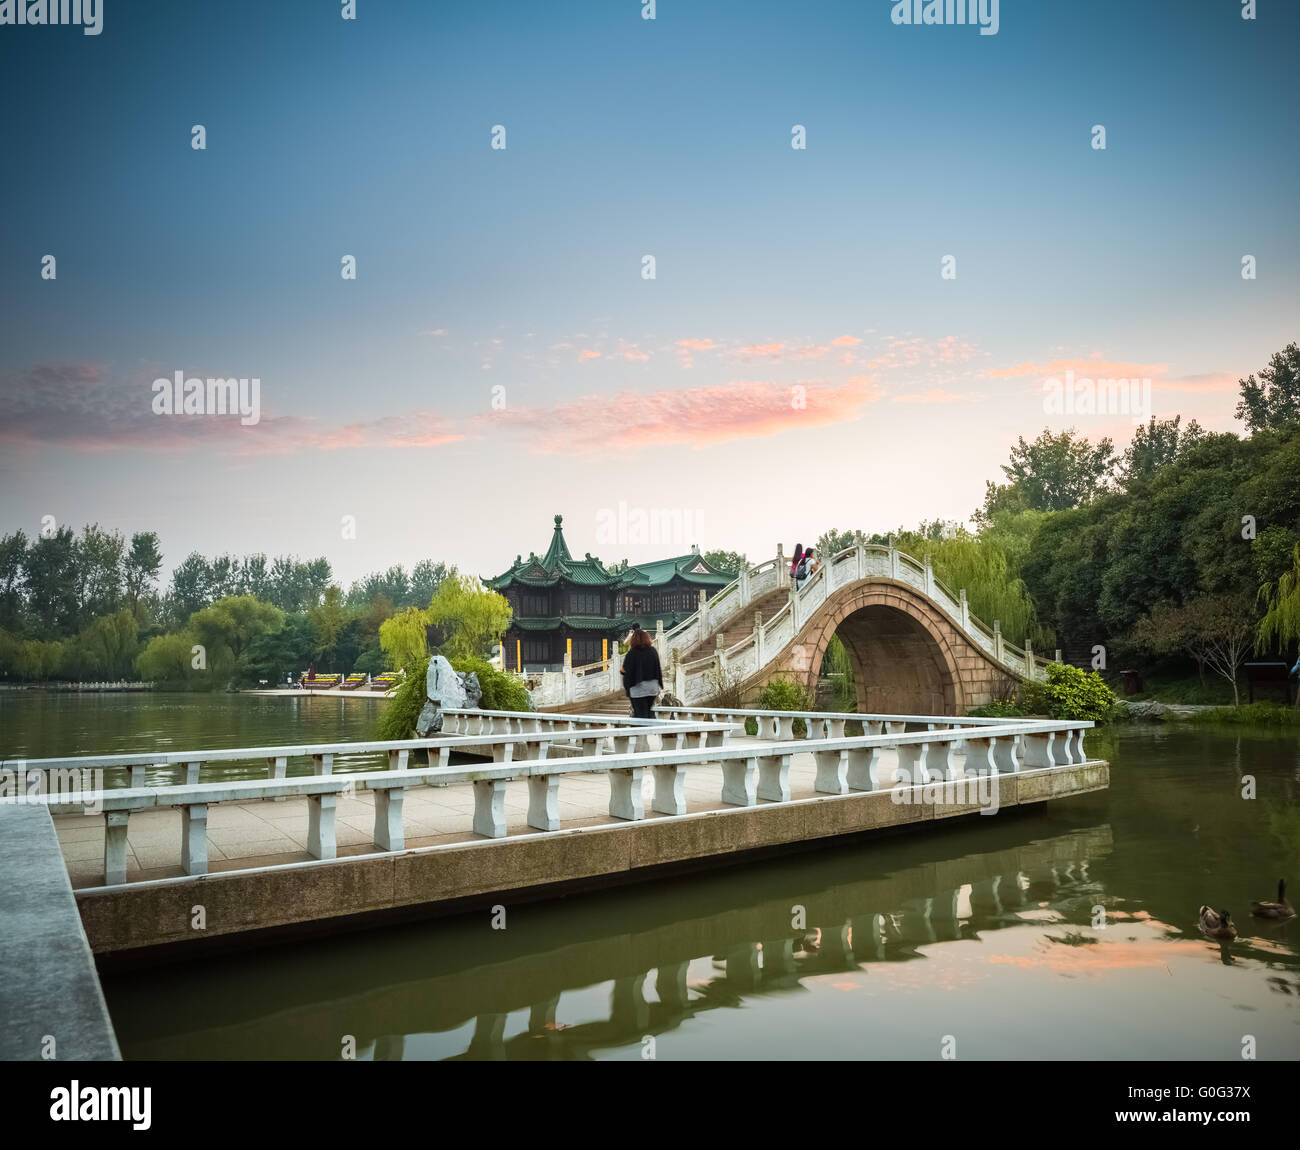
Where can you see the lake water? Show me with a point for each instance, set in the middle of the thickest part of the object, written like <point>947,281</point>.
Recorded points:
<point>981,933</point>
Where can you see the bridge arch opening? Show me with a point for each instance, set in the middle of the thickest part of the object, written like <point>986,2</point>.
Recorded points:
<point>899,666</point>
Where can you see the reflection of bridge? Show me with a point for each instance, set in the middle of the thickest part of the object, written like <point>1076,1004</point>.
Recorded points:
<point>665,957</point>
<point>914,645</point>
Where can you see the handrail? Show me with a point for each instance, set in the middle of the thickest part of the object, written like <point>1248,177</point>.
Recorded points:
<point>973,624</point>
<point>751,771</point>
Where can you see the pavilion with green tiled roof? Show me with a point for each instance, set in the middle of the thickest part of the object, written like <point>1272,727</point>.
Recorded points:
<point>578,606</point>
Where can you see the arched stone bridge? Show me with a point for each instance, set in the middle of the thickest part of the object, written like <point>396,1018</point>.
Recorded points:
<point>914,646</point>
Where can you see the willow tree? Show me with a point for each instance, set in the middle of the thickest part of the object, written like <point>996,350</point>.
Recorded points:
<point>469,616</point>
<point>1281,598</point>
<point>993,589</point>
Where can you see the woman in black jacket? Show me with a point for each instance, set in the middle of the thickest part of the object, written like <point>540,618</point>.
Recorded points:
<point>642,676</point>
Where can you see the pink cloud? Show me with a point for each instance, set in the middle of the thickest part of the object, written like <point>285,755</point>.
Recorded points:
<point>696,344</point>
<point>694,417</point>
<point>845,341</point>
<point>588,353</point>
<point>761,351</point>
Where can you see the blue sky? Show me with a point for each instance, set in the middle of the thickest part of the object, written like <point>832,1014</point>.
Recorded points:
<point>520,268</point>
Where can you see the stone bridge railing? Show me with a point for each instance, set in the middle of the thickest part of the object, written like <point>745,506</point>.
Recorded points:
<point>750,771</point>
<point>697,680</point>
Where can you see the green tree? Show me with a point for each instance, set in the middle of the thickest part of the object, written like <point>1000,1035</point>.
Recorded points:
<point>731,562</point>
<point>107,647</point>
<point>13,556</point>
<point>140,569</point>
<point>1056,472</point>
<point>191,588</point>
<point>1280,625</point>
<point>51,584</point>
<point>231,623</point>
<point>169,659</point>
<point>1273,400</point>
<point>832,542</point>
<point>99,556</point>
<point>1215,630</point>
<point>1155,444</point>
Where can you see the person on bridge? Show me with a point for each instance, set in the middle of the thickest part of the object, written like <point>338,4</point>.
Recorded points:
<point>807,565</point>
<point>794,563</point>
<point>642,676</point>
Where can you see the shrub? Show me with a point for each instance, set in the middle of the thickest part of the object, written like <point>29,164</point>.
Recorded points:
<point>501,691</point>
<point>784,695</point>
<point>1068,693</point>
<point>405,704</point>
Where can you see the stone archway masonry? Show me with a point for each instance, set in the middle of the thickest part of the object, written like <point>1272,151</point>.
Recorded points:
<point>909,652</point>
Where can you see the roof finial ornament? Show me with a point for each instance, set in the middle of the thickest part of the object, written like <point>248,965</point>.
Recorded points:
<point>558,520</point>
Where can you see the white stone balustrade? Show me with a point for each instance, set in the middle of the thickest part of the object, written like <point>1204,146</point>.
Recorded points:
<point>749,772</point>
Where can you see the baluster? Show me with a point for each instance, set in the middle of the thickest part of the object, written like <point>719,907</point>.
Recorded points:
<point>389,835</point>
<point>544,802</point>
<point>740,781</point>
<point>194,838</point>
<point>625,801</point>
<point>670,790</point>
<point>322,841</point>
<point>774,778</point>
<point>832,772</point>
<point>115,846</point>
<point>490,808</point>
<point>863,772</point>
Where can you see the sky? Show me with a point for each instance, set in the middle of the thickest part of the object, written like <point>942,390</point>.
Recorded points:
<point>799,360</point>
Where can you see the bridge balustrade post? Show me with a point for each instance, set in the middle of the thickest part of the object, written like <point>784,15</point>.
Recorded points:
<point>929,576</point>
<point>625,801</point>
<point>740,782</point>
<point>679,680</point>
<point>322,841</point>
<point>544,802</point>
<point>938,760</point>
<point>703,611</point>
<point>194,838</point>
<point>742,588</point>
<point>759,653</point>
<point>860,560</point>
<point>670,790</point>
<point>832,772</point>
<point>397,760</point>
<point>893,560</point>
<point>863,772</point>
<point>911,764</point>
<point>278,768</point>
<point>388,818</point>
<point>322,764</point>
<point>1006,754</point>
<point>1038,749</point>
<point>490,808</point>
<point>1058,655</point>
<point>115,847</point>
<point>774,778</point>
<point>1031,668</point>
<point>998,653</point>
<point>965,611</point>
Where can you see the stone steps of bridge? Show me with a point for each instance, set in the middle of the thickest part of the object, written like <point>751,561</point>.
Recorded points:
<point>742,625</point>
